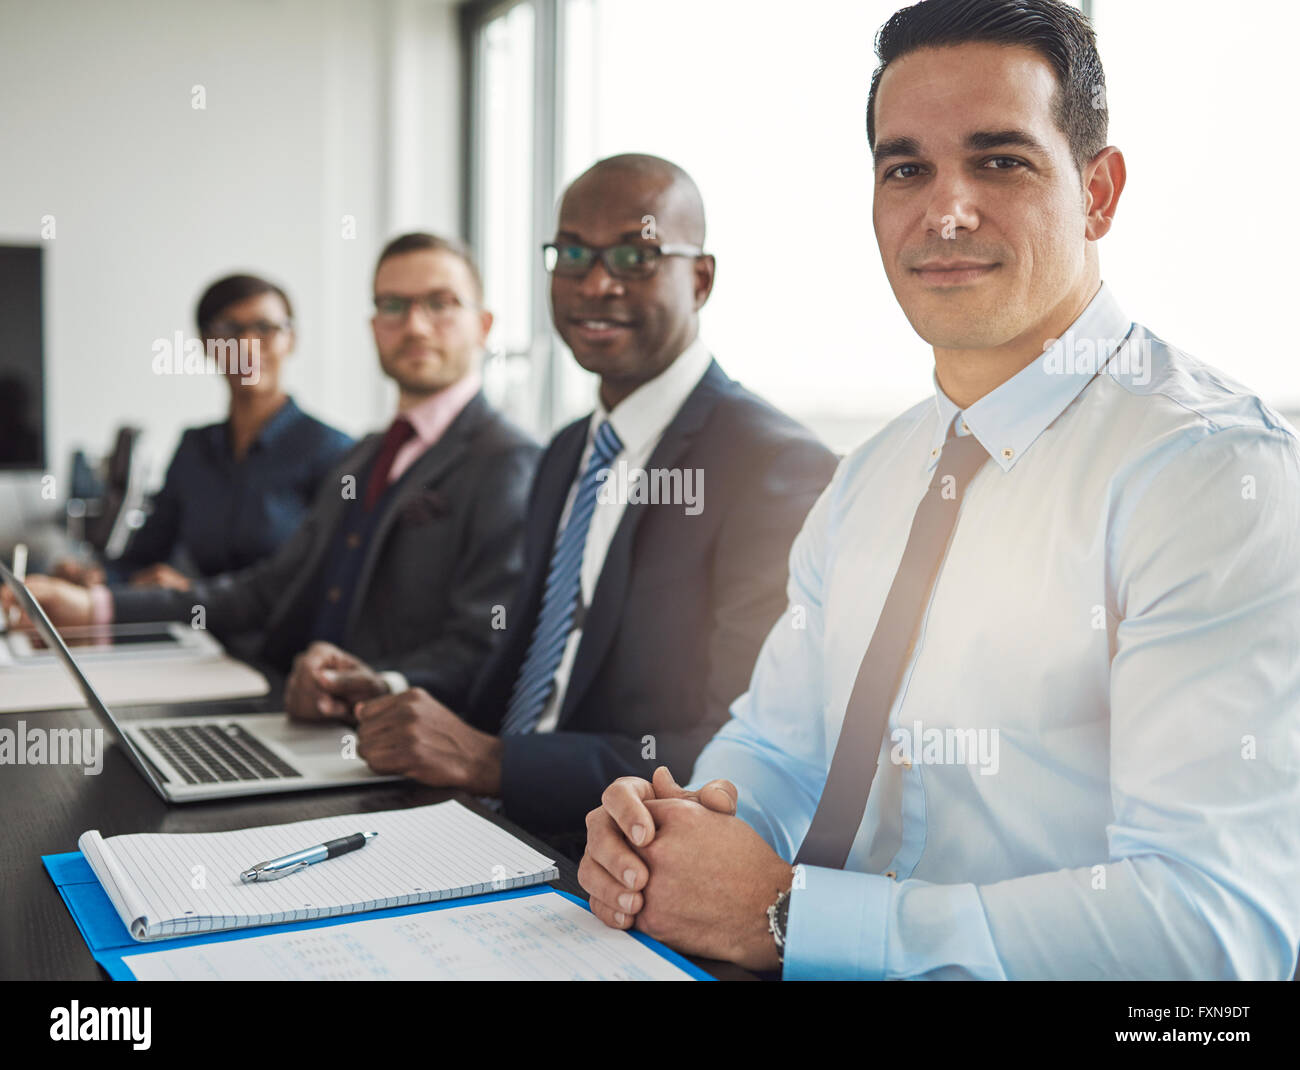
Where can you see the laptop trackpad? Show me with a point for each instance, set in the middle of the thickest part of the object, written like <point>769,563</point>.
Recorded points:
<point>328,749</point>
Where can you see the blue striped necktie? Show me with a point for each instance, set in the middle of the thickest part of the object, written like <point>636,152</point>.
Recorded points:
<point>536,678</point>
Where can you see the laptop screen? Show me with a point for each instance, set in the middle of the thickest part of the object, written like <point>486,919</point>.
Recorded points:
<point>55,642</point>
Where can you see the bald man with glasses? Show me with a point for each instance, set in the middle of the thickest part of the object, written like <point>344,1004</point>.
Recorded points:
<point>656,538</point>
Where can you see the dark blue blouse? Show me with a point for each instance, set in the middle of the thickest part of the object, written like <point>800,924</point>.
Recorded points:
<point>221,515</point>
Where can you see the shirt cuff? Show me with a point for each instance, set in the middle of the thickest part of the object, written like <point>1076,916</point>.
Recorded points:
<point>396,681</point>
<point>101,604</point>
<point>836,926</point>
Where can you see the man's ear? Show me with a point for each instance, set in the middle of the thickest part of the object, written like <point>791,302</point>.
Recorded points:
<point>485,319</point>
<point>706,268</point>
<point>1107,175</point>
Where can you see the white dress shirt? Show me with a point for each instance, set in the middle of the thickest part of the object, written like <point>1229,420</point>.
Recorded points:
<point>1120,604</point>
<point>640,420</point>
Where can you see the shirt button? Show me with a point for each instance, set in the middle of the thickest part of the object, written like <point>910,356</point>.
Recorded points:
<point>892,875</point>
<point>354,540</point>
<point>334,594</point>
<point>934,453</point>
<point>1008,453</point>
<point>964,427</point>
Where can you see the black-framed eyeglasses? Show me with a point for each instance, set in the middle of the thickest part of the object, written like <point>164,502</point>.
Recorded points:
<point>226,329</point>
<point>394,308</point>
<point>626,260</point>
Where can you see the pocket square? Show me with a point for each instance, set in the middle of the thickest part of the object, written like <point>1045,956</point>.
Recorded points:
<point>425,508</point>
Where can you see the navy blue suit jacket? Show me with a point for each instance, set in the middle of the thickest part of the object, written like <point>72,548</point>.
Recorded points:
<point>680,610</point>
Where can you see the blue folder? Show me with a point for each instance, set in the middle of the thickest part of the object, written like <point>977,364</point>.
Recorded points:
<point>109,940</point>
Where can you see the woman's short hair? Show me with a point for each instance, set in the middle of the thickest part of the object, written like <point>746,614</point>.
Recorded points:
<point>230,291</point>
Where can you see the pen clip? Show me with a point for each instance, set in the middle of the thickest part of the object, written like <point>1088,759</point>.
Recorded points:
<point>265,871</point>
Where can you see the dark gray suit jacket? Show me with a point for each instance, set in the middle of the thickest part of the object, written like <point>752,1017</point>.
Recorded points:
<point>446,550</point>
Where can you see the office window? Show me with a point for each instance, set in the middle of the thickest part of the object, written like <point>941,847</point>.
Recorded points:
<point>506,171</point>
<point>764,105</point>
<point>502,229</point>
<point>1201,246</point>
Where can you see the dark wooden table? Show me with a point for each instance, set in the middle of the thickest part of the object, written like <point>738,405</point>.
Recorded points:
<point>47,807</point>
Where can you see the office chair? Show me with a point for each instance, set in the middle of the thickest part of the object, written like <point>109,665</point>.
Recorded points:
<point>106,529</point>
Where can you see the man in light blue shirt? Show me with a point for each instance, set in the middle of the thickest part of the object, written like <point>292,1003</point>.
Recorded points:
<point>1090,766</point>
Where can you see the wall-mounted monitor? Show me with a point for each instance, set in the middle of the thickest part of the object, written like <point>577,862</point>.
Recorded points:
<point>22,360</point>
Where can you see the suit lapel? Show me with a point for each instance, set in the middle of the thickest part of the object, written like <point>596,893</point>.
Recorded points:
<point>555,474</point>
<point>611,588</point>
<point>331,518</point>
<point>559,475</point>
<point>425,472</point>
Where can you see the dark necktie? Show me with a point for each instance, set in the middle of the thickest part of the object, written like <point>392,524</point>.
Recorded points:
<point>848,783</point>
<point>399,431</point>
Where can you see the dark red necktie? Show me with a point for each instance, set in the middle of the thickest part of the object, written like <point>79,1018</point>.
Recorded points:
<point>399,431</point>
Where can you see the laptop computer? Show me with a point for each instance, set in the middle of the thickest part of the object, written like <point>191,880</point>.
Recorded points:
<point>216,756</point>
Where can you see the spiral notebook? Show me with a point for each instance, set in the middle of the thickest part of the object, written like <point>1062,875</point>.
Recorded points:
<point>166,885</point>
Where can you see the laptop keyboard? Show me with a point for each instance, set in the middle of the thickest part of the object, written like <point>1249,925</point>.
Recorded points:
<point>217,753</point>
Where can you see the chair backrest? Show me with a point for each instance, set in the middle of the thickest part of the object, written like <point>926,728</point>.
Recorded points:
<point>107,532</point>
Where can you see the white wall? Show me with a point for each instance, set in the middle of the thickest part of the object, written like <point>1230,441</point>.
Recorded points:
<point>315,109</point>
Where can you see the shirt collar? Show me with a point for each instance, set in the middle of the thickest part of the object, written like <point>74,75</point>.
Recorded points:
<point>641,417</point>
<point>281,421</point>
<point>432,416</point>
<point>285,417</point>
<point>1009,419</point>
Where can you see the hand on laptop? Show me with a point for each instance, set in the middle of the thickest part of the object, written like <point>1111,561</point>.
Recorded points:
<point>415,735</point>
<point>64,603</point>
<point>326,683</point>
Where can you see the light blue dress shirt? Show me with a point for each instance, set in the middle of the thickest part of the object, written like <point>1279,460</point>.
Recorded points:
<point>1092,763</point>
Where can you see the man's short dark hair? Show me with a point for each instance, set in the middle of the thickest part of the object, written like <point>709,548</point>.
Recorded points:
<point>1061,34</point>
<point>230,291</point>
<point>419,241</point>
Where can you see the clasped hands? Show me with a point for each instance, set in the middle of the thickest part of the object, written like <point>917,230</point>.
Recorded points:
<point>683,869</point>
<point>409,734</point>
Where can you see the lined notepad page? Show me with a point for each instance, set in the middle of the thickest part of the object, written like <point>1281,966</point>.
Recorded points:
<point>542,937</point>
<point>176,884</point>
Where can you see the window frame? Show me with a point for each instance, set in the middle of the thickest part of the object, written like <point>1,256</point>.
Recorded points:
<point>542,352</point>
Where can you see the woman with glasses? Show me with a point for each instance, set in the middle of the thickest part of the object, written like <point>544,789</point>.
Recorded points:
<point>235,490</point>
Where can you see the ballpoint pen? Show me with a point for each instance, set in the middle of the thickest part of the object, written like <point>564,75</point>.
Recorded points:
<point>20,574</point>
<point>276,868</point>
